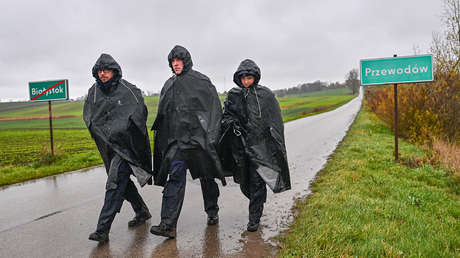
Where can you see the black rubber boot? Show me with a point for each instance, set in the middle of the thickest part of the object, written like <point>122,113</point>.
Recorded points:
<point>139,219</point>
<point>100,237</point>
<point>213,220</point>
<point>253,226</point>
<point>165,230</point>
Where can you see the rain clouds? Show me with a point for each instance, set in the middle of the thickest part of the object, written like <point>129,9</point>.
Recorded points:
<point>292,41</point>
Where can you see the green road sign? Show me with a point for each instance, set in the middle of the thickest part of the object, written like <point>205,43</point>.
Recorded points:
<point>404,69</point>
<point>49,90</point>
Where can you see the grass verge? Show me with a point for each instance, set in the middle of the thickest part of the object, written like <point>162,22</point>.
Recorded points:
<point>365,204</point>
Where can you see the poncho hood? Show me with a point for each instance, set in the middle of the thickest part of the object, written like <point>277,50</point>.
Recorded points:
<point>106,61</point>
<point>182,53</point>
<point>246,67</point>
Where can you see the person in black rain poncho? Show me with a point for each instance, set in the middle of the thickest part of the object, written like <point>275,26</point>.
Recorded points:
<point>252,145</point>
<point>186,133</point>
<point>116,115</point>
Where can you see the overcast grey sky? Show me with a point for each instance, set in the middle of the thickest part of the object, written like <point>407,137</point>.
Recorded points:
<point>291,41</point>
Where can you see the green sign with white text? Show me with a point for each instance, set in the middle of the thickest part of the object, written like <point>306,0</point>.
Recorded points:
<point>49,90</point>
<point>391,70</point>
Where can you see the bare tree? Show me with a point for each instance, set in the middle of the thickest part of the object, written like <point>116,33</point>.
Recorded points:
<point>352,80</point>
<point>446,46</point>
<point>446,52</point>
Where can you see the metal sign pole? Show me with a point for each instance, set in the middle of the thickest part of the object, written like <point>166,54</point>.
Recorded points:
<point>51,128</point>
<point>396,124</point>
<point>396,121</point>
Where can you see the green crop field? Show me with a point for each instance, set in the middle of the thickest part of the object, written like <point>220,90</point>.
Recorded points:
<point>30,109</point>
<point>24,133</point>
<point>27,146</point>
<point>297,107</point>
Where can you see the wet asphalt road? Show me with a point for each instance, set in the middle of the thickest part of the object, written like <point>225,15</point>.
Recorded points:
<point>52,217</point>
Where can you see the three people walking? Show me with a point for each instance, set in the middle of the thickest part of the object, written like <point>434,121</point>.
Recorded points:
<point>245,140</point>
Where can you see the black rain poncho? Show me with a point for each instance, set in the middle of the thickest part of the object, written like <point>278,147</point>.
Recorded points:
<point>116,115</point>
<point>253,131</point>
<point>189,115</point>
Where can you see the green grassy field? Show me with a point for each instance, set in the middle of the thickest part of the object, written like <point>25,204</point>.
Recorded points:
<point>72,111</point>
<point>25,143</point>
<point>364,204</point>
<point>307,104</point>
<point>41,109</point>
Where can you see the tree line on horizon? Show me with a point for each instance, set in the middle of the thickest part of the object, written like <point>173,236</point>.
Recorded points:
<point>308,87</point>
<point>352,82</point>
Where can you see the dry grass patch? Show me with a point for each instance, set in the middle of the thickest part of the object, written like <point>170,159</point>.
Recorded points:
<point>449,156</point>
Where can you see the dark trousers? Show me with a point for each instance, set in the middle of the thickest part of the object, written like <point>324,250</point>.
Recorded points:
<point>126,190</point>
<point>257,195</point>
<point>174,192</point>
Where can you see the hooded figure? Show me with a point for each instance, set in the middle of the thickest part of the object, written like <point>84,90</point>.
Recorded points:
<point>186,133</point>
<point>116,115</point>
<point>252,145</point>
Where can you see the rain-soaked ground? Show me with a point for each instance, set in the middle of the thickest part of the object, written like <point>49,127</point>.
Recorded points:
<point>52,217</point>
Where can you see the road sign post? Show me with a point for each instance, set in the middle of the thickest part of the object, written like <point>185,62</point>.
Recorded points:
<point>51,127</point>
<point>406,69</point>
<point>396,124</point>
<point>48,91</point>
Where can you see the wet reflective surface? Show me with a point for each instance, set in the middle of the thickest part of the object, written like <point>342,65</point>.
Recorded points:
<point>53,217</point>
